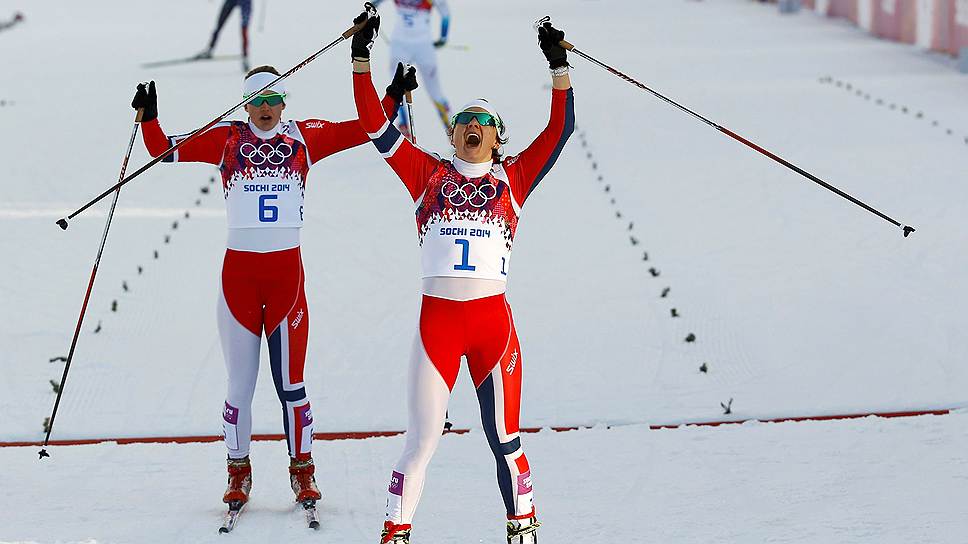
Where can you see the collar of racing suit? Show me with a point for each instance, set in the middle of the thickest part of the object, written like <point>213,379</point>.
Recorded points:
<point>265,134</point>
<point>472,169</point>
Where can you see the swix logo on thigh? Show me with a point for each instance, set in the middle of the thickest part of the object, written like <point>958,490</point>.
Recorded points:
<point>524,483</point>
<point>230,414</point>
<point>512,363</point>
<point>298,319</point>
<point>307,417</point>
<point>396,483</point>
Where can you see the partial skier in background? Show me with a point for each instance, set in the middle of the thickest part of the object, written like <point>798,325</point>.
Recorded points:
<point>413,43</point>
<point>245,12</point>
<point>264,164</point>
<point>467,211</point>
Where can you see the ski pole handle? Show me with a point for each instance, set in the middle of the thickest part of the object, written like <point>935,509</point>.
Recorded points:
<point>370,13</point>
<point>139,115</point>
<point>547,19</point>
<point>409,97</point>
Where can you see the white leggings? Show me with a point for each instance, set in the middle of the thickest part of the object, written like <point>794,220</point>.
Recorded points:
<point>424,57</point>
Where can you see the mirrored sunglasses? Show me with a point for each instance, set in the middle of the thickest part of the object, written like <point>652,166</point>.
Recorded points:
<point>483,118</point>
<point>273,99</point>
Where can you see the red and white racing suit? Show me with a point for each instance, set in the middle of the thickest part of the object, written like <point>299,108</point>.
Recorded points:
<point>466,218</point>
<point>262,284</point>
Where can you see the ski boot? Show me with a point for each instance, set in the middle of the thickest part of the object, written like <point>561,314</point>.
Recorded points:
<point>245,64</point>
<point>240,481</point>
<point>395,534</point>
<point>523,530</point>
<point>205,54</point>
<point>303,481</point>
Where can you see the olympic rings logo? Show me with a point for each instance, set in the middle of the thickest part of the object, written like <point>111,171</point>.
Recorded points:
<point>266,153</point>
<point>468,193</point>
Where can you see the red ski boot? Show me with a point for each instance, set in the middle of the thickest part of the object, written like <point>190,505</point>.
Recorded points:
<point>240,481</point>
<point>303,481</point>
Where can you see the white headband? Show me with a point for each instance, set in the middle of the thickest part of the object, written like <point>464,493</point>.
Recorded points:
<point>253,83</point>
<point>483,104</point>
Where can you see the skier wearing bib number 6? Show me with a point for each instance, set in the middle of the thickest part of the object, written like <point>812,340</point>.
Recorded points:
<point>264,164</point>
<point>467,209</point>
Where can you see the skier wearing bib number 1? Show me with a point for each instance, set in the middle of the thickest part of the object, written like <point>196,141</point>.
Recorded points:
<point>264,163</point>
<point>467,210</point>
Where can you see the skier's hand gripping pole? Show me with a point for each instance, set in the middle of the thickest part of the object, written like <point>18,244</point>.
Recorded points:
<point>138,118</point>
<point>370,11</point>
<point>541,26</point>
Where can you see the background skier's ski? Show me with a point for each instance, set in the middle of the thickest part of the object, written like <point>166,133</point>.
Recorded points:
<point>187,60</point>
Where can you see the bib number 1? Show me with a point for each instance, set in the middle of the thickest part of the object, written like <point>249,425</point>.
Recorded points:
<point>267,212</point>
<point>465,252</point>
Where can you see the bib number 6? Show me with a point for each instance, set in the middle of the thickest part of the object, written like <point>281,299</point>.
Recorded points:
<point>267,212</point>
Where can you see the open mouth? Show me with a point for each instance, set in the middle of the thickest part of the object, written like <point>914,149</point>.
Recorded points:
<point>265,118</point>
<point>472,139</point>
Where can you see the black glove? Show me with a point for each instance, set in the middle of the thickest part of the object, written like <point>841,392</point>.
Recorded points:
<point>403,82</point>
<point>363,39</point>
<point>548,38</point>
<point>146,98</point>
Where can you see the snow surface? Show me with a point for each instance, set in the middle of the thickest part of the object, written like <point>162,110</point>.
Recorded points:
<point>872,480</point>
<point>801,303</point>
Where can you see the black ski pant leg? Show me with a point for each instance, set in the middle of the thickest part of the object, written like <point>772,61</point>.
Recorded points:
<point>222,17</point>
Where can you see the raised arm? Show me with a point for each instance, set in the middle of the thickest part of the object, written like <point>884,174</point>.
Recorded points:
<point>324,138</point>
<point>530,166</point>
<point>412,165</point>
<point>207,147</point>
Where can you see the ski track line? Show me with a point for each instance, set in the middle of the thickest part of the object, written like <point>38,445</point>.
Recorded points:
<point>363,435</point>
<point>176,215</point>
<point>891,105</point>
<point>681,340</point>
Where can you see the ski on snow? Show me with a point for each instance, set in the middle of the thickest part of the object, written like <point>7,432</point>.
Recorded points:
<point>236,507</point>
<point>312,517</point>
<point>232,516</point>
<point>186,60</point>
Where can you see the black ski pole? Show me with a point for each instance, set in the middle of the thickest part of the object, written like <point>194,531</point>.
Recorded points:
<point>409,97</point>
<point>90,285</point>
<point>905,228</point>
<point>371,10</point>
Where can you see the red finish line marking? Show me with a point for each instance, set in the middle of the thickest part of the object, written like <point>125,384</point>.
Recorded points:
<point>939,412</point>
<point>362,435</point>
